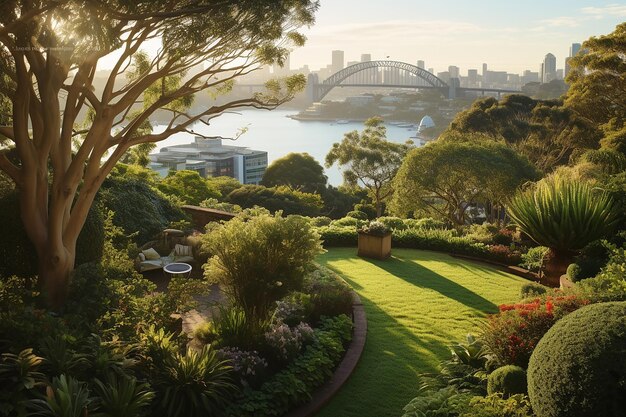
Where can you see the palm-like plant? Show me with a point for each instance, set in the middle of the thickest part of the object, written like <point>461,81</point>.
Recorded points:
<point>121,396</point>
<point>193,385</point>
<point>66,397</point>
<point>19,376</point>
<point>563,215</point>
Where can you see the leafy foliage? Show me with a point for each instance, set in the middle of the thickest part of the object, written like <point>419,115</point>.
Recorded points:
<point>19,377</point>
<point>507,380</point>
<point>578,368</point>
<point>189,186</point>
<point>369,159</point>
<point>298,171</point>
<point>277,199</point>
<point>444,178</point>
<point>544,131</point>
<point>445,402</point>
<point>260,260</point>
<point>294,385</point>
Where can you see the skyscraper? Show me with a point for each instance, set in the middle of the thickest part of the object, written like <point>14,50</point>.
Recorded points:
<point>454,71</point>
<point>549,68</point>
<point>337,64</point>
<point>421,64</point>
<point>574,49</point>
<point>366,57</point>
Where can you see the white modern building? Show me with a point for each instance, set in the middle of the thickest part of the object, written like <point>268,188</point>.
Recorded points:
<point>211,158</point>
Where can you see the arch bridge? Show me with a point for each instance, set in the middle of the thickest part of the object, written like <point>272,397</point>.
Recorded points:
<point>386,73</point>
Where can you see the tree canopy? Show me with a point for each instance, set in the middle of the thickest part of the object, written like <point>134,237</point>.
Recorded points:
<point>545,131</point>
<point>189,186</point>
<point>445,178</point>
<point>368,159</point>
<point>298,171</point>
<point>50,52</point>
<point>598,81</point>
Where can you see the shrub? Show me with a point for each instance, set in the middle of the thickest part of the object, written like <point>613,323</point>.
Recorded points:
<point>334,236</point>
<point>276,199</point>
<point>286,342</point>
<point>535,259</point>
<point>610,284</point>
<point>359,215</point>
<point>346,222</point>
<point>294,385</point>
<point>445,402</point>
<point>393,223</point>
<point>259,261</point>
<point>248,366</point>
<point>375,228</point>
<point>496,406</point>
<point>573,272</point>
<point>532,289</point>
<point>503,254</point>
<point>464,371</point>
<point>188,186</point>
<point>138,208</point>
<point>424,223</point>
<point>237,329</point>
<point>579,367</point>
<point>294,308</point>
<point>321,221</point>
<point>512,334</point>
<point>507,380</point>
<point>330,295</point>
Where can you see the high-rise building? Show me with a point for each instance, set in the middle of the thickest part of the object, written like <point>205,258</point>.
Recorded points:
<point>210,158</point>
<point>421,64</point>
<point>574,49</point>
<point>454,71</point>
<point>337,63</point>
<point>484,69</point>
<point>549,68</point>
<point>472,77</point>
<point>366,57</point>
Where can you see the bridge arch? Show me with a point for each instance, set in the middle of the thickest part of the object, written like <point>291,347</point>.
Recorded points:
<point>423,77</point>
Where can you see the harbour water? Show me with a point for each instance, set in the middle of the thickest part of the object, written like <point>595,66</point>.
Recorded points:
<point>274,132</point>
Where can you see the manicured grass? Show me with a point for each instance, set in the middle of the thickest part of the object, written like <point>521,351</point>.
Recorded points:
<point>417,303</point>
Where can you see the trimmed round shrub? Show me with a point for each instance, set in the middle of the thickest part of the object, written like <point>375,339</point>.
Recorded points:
<point>573,272</point>
<point>578,369</point>
<point>508,380</point>
<point>346,221</point>
<point>532,289</point>
<point>393,223</point>
<point>359,215</point>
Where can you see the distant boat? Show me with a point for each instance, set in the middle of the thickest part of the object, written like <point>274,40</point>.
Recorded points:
<point>342,122</point>
<point>407,125</point>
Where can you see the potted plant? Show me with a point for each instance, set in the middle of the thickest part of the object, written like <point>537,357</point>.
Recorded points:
<point>375,241</point>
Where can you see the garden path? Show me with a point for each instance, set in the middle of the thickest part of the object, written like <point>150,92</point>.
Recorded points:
<point>417,303</point>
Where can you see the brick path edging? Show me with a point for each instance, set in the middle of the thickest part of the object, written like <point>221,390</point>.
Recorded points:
<point>325,393</point>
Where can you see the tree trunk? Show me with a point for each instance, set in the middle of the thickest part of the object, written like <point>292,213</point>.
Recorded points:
<point>54,273</point>
<point>556,265</point>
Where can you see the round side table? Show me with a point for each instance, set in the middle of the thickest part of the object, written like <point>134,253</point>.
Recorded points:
<point>180,268</point>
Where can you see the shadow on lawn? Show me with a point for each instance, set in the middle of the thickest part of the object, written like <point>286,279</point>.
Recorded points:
<point>423,277</point>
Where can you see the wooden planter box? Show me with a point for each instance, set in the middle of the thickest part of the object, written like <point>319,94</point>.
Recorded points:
<point>377,247</point>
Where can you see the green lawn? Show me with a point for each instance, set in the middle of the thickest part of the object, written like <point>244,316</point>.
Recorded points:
<point>417,303</point>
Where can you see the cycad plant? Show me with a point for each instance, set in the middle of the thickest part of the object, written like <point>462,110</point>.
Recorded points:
<point>564,215</point>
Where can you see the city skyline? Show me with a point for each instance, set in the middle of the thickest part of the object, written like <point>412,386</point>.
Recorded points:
<point>454,33</point>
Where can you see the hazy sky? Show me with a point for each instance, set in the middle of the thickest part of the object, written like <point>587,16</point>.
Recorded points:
<point>509,36</point>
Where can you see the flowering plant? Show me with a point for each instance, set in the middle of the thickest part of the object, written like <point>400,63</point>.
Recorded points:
<point>286,342</point>
<point>512,334</point>
<point>375,228</point>
<point>247,365</point>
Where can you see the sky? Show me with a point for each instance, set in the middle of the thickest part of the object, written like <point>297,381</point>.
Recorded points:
<point>508,36</point>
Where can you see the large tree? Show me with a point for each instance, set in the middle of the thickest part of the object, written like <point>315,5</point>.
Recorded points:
<point>370,160</point>
<point>548,133</point>
<point>598,85</point>
<point>161,53</point>
<point>298,171</point>
<point>445,178</point>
